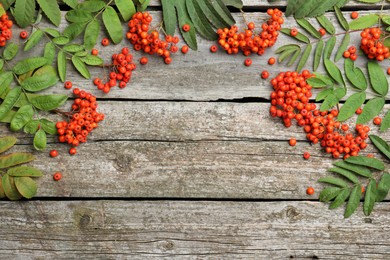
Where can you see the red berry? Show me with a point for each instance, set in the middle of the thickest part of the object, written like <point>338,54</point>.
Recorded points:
<point>214,48</point>
<point>310,191</point>
<point>388,71</point>
<point>264,74</point>
<point>306,155</point>
<point>354,15</point>
<point>248,62</point>
<point>53,153</point>
<point>68,85</point>
<point>377,120</point>
<point>292,141</point>
<point>271,61</point>
<point>57,176</point>
<point>186,27</point>
<point>184,49</point>
<point>322,31</point>
<point>293,32</point>
<point>143,60</point>
<point>23,34</point>
<point>72,151</point>
<point>94,52</point>
<point>105,42</point>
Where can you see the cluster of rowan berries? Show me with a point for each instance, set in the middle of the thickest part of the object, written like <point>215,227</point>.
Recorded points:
<point>290,101</point>
<point>150,43</point>
<point>84,118</point>
<point>122,68</point>
<point>249,42</point>
<point>371,45</point>
<point>5,29</point>
<point>350,53</point>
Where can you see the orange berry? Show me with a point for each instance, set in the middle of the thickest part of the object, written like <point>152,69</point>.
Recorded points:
<point>354,15</point>
<point>293,32</point>
<point>214,48</point>
<point>322,31</point>
<point>186,27</point>
<point>248,62</point>
<point>292,141</point>
<point>310,191</point>
<point>271,61</point>
<point>184,49</point>
<point>143,60</point>
<point>94,52</point>
<point>264,74</point>
<point>377,120</point>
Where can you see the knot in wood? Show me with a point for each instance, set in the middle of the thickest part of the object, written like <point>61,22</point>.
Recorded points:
<point>292,212</point>
<point>169,245</point>
<point>85,220</point>
<point>123,162</point>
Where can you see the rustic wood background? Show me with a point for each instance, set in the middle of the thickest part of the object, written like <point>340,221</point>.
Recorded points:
<point>189,164</point>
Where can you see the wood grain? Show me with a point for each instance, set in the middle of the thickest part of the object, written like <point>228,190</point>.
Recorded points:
<point>188,229</point>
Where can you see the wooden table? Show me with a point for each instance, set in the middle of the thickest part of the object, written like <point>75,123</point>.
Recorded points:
<point>189,164</point>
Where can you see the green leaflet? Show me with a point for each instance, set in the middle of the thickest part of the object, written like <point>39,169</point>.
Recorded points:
<point>371,109</point>
<point>318,55</point>
<point>61,64</point>
<point>333,71</point>
<point>323,94</point>
<point>92,6</point>
<point>316,82</point>
<point>293,6</point>
<point>6,4</point>
<point>48,126</point>
<point>385,122</point>
<point>328,26</point>
<point>73,48</point>
<point>353,201</point>
<point>48,102</point>
<point>345,173</point>
<point>5,80</point>
<point>91,34</point>
<point>26,186</point>
<point>358,169</point>
<point>169,16</point>
<point>364,22</point>
<point>126,8</point>
<point>49,52</point>
<point>92,60</point>
<point>383,187</point>
<point>312,8</point>
<point>329,193</point>
<point>189,37</point>
<point>378,78</point>
<point>71,3</point>
<point>222,11</point>
<point>300,37</point>
<point>285,54</point>
<point>24,171</point>
<point>10,51</point>
<point>9,187</point>
<point>61,40</point>
<point>73,30</point>
<point>40,140</point>
<point>81,67</point>
<point>78,16</point>
<point>1,64</point>
<point>343,47</point>
<point>31,127</point>
<point>6,143</point>
<point>113,25</point>
<point>305,24</point>
<point>304,57</point>
<point>334,181</point>
<point>81,53</point>
<point>366,161</point>
<point>40,82</point>
<point>22,117</point>
<point>24,12</point>
<point>340,199</point>
<point>351,104</point>
<point>355,75</point>
<point>212,15</point>
<point>29,64</point>
<point>294,57</point>
<point>235,3</point>
<point>200,21</point>
<point>381,145</point>
<point>370,197</point>
<point>329,47</point>
<point>13,159</point>
<point>10,99</point>
<point>340,17</point>
<point>52,32</point>
<point>33,40</point>
<point>142,5</point>
<point>330,101</point>
<point>51,10</point>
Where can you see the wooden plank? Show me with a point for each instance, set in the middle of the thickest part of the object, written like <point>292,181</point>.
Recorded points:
<point>189,229</point>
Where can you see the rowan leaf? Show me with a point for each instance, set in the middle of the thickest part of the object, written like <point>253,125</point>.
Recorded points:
<point>383,187</point>
<point>91,34</point>
<point>49,52</point>
<point>200,21</point>
<point>169,16</point>
<point>330,101</point>
<point>355,75</point>
<point>345,173</point>
<point>81,67</point>
<point>142,5</point>
<point>222,11</point>
<point>92,6</point>
<point>340,17</point>
<point>293,6</point>
<point>9,101</point>
<point>314,8</point>
<point>48,102</point>
<point>340,199</point>
<point>9,187</point>
<point>78,16</point>
<point>370,197</point>
<point>366,161</point>
<point>294,57</point>
<point>318,54</point>
<point>40,81</point>
<point>333,71</point>
<point>40,140</point>
<point>24,12</point>
<point>304,57</point>
<point>61,64</point>
<point>71,3</point>
<point>351,105</point>
<point>235,3</point>
<point>24,171</point>
<point>52,11</point>
<point>305,24</point>
<point>189,37</point>
<point>113,24</point>
<point>26,186</point>
<point>73,30</point>
<point>353,202</point>
<point>329,193</point>
<point>29,64</point>
<point>48,126</point>
<point>13,159</point>
<point>10,51</point>
<point>378,78</point>
<point>126,8</point>
<point>363,22</point>
<point>381,145</point>
<point>324,78</point>
<point>371,109</point>
<point>329,46</point>
<point>6,78</point>
<point>316,82</point>
<point>6,143</point>
<point>21,117</point>
<point>285,54</point>
<point>2,193</point>
<point>52,32</point>
<point>323,94</point>
<point>385,122</point>
<point>92,60</point>
<point>358,169</point>
<point>326,24</point>
<point>300,36</point>
<point>61,40</point>
<point>334,181</point>
<point>31,127</point>
<point>343,47</point>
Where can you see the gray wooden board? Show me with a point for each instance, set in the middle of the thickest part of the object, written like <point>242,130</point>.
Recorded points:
<point>189,230</point>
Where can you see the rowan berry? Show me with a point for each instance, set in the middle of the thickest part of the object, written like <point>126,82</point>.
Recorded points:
<point>248,62</point>
<point>388,71</point>
<point>105,42</point>
<point>143,60</point>
<point>293,32</point>
<point>363,189</point>
<point>57,176</point>
<point>214,48</point>
<point>310,191</point>
<point>264,74</point>
<point>354,15</point>
<point>68,85</point>
<point>377,120</point>
<point>72,151</point>
<point>271,61</point>
<point>346,54</point>
<point>186,27</point>
<point>94,52</point>
<point>359,111</point>
<point>322,31</point>
<point>306,155</point>
<point>292,141</point>
<point>53,153</point>
<point>184,49</point>
<point>23,34</point>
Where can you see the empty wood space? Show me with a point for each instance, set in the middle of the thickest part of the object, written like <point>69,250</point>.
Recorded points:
<point>188,164</point>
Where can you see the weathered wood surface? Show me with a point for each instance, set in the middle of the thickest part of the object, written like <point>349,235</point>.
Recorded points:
<point>188,230</point>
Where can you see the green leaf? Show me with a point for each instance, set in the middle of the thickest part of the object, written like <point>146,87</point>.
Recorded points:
<point>91,34</point>
<point>353,201</point>
<point>1,64</point>
<point>323,94</point>
<point>235,3</point>
<point>71,3</point>
<point>92,60</point>
<point>40,140</point>
<point>49,52</point>
<point>52,32</point>
<point>48,126</point>
<point>383,187</point>
<point>78,16</point>
<point>73,48</point>
<point>334,181</point>
<point>74,30</point>
<point>61,40</point>
<point>304,57</point>
<point>222,11</point>
<point>340,17</point>
<point>381,145</point>
<point>364,22</point>
<point>294,57</point>
<point>377,78</point>
<point>305,24</point>
<point>126,8</point>
<point>81,53</point>
<point>340,92</point>
<point>351,104</point>
<point>13,159</point>
<point>28,64</point>
<point>48,102</point>
<point>189,37</point>
<point>345,173</point>
<point>199,19</point>
<point>359,169</point>
<point>326,24</point>
<point>22,117</point>
<point>31,127</point>
<point>6,143</point>
<point>330,101</point>
<point>9,188</point>
<point>5,80</point>
<point>10,51</point>
<point>340,199</point>
<point>371,109</point>
<point>142,5</point>
<point>24,12</point>
<point>329,46</point>
<point>385,122</point>
<point>366,161</point>
<point>169,16</point>
<point>51,9</point>
<point>61,64</point>
<point>41,81</point>
<point>369,199</point>
<point>324,78</point>
<point>318,54</point>
<point>329,193</point>
<point>300,36</point>
<point>316,82</point>
<point>285,54</point>
<point>355,75</point>
<point>113,24</point>
<point>9,101</point>
<point>7,4</point>
<point>80,66</point>
<point>24,171</point>
<point>92,6</point>
<point>26,186</point>
<point>314,8</point>
<point>293,6</point>
<point>343,47</point>
<point>2,193</point>
<point>287,47</point>
<point>333,71</point>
